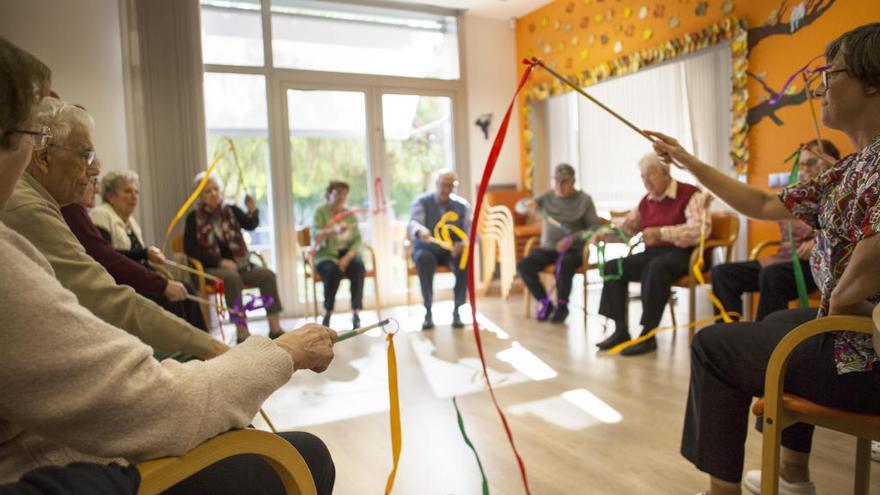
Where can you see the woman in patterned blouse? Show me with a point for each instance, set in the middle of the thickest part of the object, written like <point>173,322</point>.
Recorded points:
<point>842,204</point>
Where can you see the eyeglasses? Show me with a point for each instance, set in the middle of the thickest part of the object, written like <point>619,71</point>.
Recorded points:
<point>88,156</point>
<point>826,78</point>
<point>40,137</point>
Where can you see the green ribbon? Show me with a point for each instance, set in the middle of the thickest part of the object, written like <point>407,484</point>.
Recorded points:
<point>600,252</point>
<point>795,261</point>
<point>471,445</point>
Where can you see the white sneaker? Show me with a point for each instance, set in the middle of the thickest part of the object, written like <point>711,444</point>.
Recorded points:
<point>752,482</point>
<point>875,450</point>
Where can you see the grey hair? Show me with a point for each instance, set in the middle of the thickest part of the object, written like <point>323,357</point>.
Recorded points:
<point>861,53</point>
<point>564,170</point>
<point>201,175</point>
<point>60,117</point>
<point>115,178</point>
<point>651,159</point>
<point>445,172</point>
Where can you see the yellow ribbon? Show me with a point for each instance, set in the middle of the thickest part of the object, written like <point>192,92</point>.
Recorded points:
<point>394,412</point>
<point>444,240</point>
<point>192,197</point>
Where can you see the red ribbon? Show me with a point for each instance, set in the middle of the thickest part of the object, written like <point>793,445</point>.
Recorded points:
<point>484,184</point>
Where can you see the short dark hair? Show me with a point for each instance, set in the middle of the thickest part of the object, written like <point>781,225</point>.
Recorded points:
<point>860,48</point>
<point>827,147</point>
<point>336,185</point>
<point>24,81</point>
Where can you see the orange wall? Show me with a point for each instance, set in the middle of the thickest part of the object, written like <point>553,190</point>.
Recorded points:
<point>566,26</point>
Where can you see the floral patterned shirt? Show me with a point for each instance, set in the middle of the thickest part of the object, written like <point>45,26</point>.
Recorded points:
<point>843,205</point>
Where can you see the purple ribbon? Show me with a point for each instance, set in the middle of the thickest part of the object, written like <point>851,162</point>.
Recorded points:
<point>238,315</point>
<point>806,68</point>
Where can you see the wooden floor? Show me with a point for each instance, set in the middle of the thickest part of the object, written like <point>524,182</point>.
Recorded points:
<point>584,422</point>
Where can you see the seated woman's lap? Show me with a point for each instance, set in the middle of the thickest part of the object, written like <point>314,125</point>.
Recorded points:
<point>251,474</point>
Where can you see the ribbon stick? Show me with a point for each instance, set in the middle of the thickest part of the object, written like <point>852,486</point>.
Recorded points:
<point>444,240</point>
<point>394,412</point>
<point>537,61</point>
<point>340,336</point>
<point>491,161</point>
<point>238,314</point>
<point>803,70</point>
<point>800,281</point>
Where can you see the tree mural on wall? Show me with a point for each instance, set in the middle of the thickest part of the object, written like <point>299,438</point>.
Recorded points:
<point>800,16</point>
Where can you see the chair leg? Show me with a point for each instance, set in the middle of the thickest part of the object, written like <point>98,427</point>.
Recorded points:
<point>863,466</point>
<point>692,311</point>
<point>378,301</point>
<point>586,294</point>
<point>315,298</point>
<point>527,303</point>
<point>308,304</point>
<point>672,314</point>
<point>771,438</point>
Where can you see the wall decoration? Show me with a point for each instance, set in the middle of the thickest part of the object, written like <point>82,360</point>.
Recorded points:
<point>801,16</point>
<point>659,10</point>
<point>618,47</point>
<point>647,34</point>
<point>627,12</point>
<point>727,7</point>
<point>702,8</point>
<point>570,7</point>
<point>643,12</point>
<point>629,30</point>
<point>484,121</point>
<point>673,21</point>
<point>603,39</point>
<point>585,21</point>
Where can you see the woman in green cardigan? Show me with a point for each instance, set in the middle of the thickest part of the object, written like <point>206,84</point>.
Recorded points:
<point>338,253</point>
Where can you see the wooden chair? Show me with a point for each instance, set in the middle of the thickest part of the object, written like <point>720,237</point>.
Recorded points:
<point>411,270</point>
<point>160,474</point>
<point>304,242</point>
<point>780,410</point>
<point>724,232</point>
<point>815,297</point>
<point>202,285</point>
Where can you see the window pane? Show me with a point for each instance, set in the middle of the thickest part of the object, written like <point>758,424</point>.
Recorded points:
<point>328,141</point>
<point>236,120</point>
<point>418,141</point>
<point>363,39</point>
<point>232,32</point>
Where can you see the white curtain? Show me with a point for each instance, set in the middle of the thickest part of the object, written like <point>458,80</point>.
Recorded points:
<point>688,98</point>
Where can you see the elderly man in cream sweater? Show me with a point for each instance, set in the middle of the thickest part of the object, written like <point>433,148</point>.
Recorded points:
<point>75,388</point>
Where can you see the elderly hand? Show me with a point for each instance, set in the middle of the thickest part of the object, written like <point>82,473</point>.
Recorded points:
<point>345,261</point>
<point>228,264</point>
<point>805,249</point>
<point>457,248</point>
<point>155,255</point>
<point>310,347</point>
<point>250,204</point>
<point>425,236</point>
<point>175,291</point>
<point>670,151</point>
<point>651,235</point>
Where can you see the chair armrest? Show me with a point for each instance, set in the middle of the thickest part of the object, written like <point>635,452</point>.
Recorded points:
<point>259,257</point>
<point>756,251</point>
<point>160,474</point>
<point>775,376</point>
<point>372,252</point>
<point>529,244</point>
<point>200,278</point>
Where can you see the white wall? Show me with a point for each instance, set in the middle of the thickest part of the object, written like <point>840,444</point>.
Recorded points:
<point>81,42</point>
<point>492,74</point>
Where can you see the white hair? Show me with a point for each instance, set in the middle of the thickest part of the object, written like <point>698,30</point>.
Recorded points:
<point>60,117</point>
<point>444,173</point>
<point>201,175</point>
<point>113,179</point>
<point>652,160</point>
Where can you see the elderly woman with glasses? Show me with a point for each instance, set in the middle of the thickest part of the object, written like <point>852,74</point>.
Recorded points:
<point>843,205</point>
<point>76,388</point>
<point>213,236</point>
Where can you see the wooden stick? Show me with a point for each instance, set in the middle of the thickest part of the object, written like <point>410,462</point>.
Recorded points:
<point>815,120</point>
<point>340,336</point>
<point>267,420</point>
<point>191,270</point>
<point>632,126</point>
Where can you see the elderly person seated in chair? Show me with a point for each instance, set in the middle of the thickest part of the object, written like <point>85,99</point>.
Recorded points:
<point>670,218</point>
<point>58,175</point>
<point>213,236</point>
<point>837,369</point>
<point>568,214</point>
<point>77,389</point>
<point>170,294</point>
<point>427,211</point>
<point>338,253</point>
<point>774,277</point>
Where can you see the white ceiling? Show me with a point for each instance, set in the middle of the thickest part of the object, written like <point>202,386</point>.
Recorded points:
<point>498,9</point>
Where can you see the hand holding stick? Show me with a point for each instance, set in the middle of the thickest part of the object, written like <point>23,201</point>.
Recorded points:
<point>340,336</point>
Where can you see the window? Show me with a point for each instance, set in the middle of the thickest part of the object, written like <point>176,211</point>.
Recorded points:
<point>326,36</point>
<point>232,32</point>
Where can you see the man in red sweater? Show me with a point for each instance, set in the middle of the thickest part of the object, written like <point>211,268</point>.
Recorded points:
<point>670,217</point>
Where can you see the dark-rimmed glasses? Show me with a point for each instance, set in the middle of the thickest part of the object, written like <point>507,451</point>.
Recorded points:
<point>40,138</point>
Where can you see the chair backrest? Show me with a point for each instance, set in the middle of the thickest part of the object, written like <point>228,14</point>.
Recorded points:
<point>725,229</point>
<point>304,237</point>
<point>508,198</point>
<point>177,244</point>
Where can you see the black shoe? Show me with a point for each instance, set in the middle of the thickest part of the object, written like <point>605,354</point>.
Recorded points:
<point>428,324</point>
<point>456,321</point>
<point>326,320</point>
<point>645,347</point>
<point>560,314</point>
<point>544,312</point>
<point>616,338</point>
<point>355,322</point>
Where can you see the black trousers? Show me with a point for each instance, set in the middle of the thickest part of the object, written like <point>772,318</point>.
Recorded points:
<point>427,257</point>
<point>530,267</point>
<point>775,284</point>
<point>76,478</point>
<point>331,275</point>
<point>252,475</point>
<point>656,268</point>
<point>186,309</point>
<point>728,364</point>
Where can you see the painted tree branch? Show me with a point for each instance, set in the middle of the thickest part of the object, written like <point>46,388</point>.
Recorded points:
<point>813,10</point>
<point>765,109</point>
